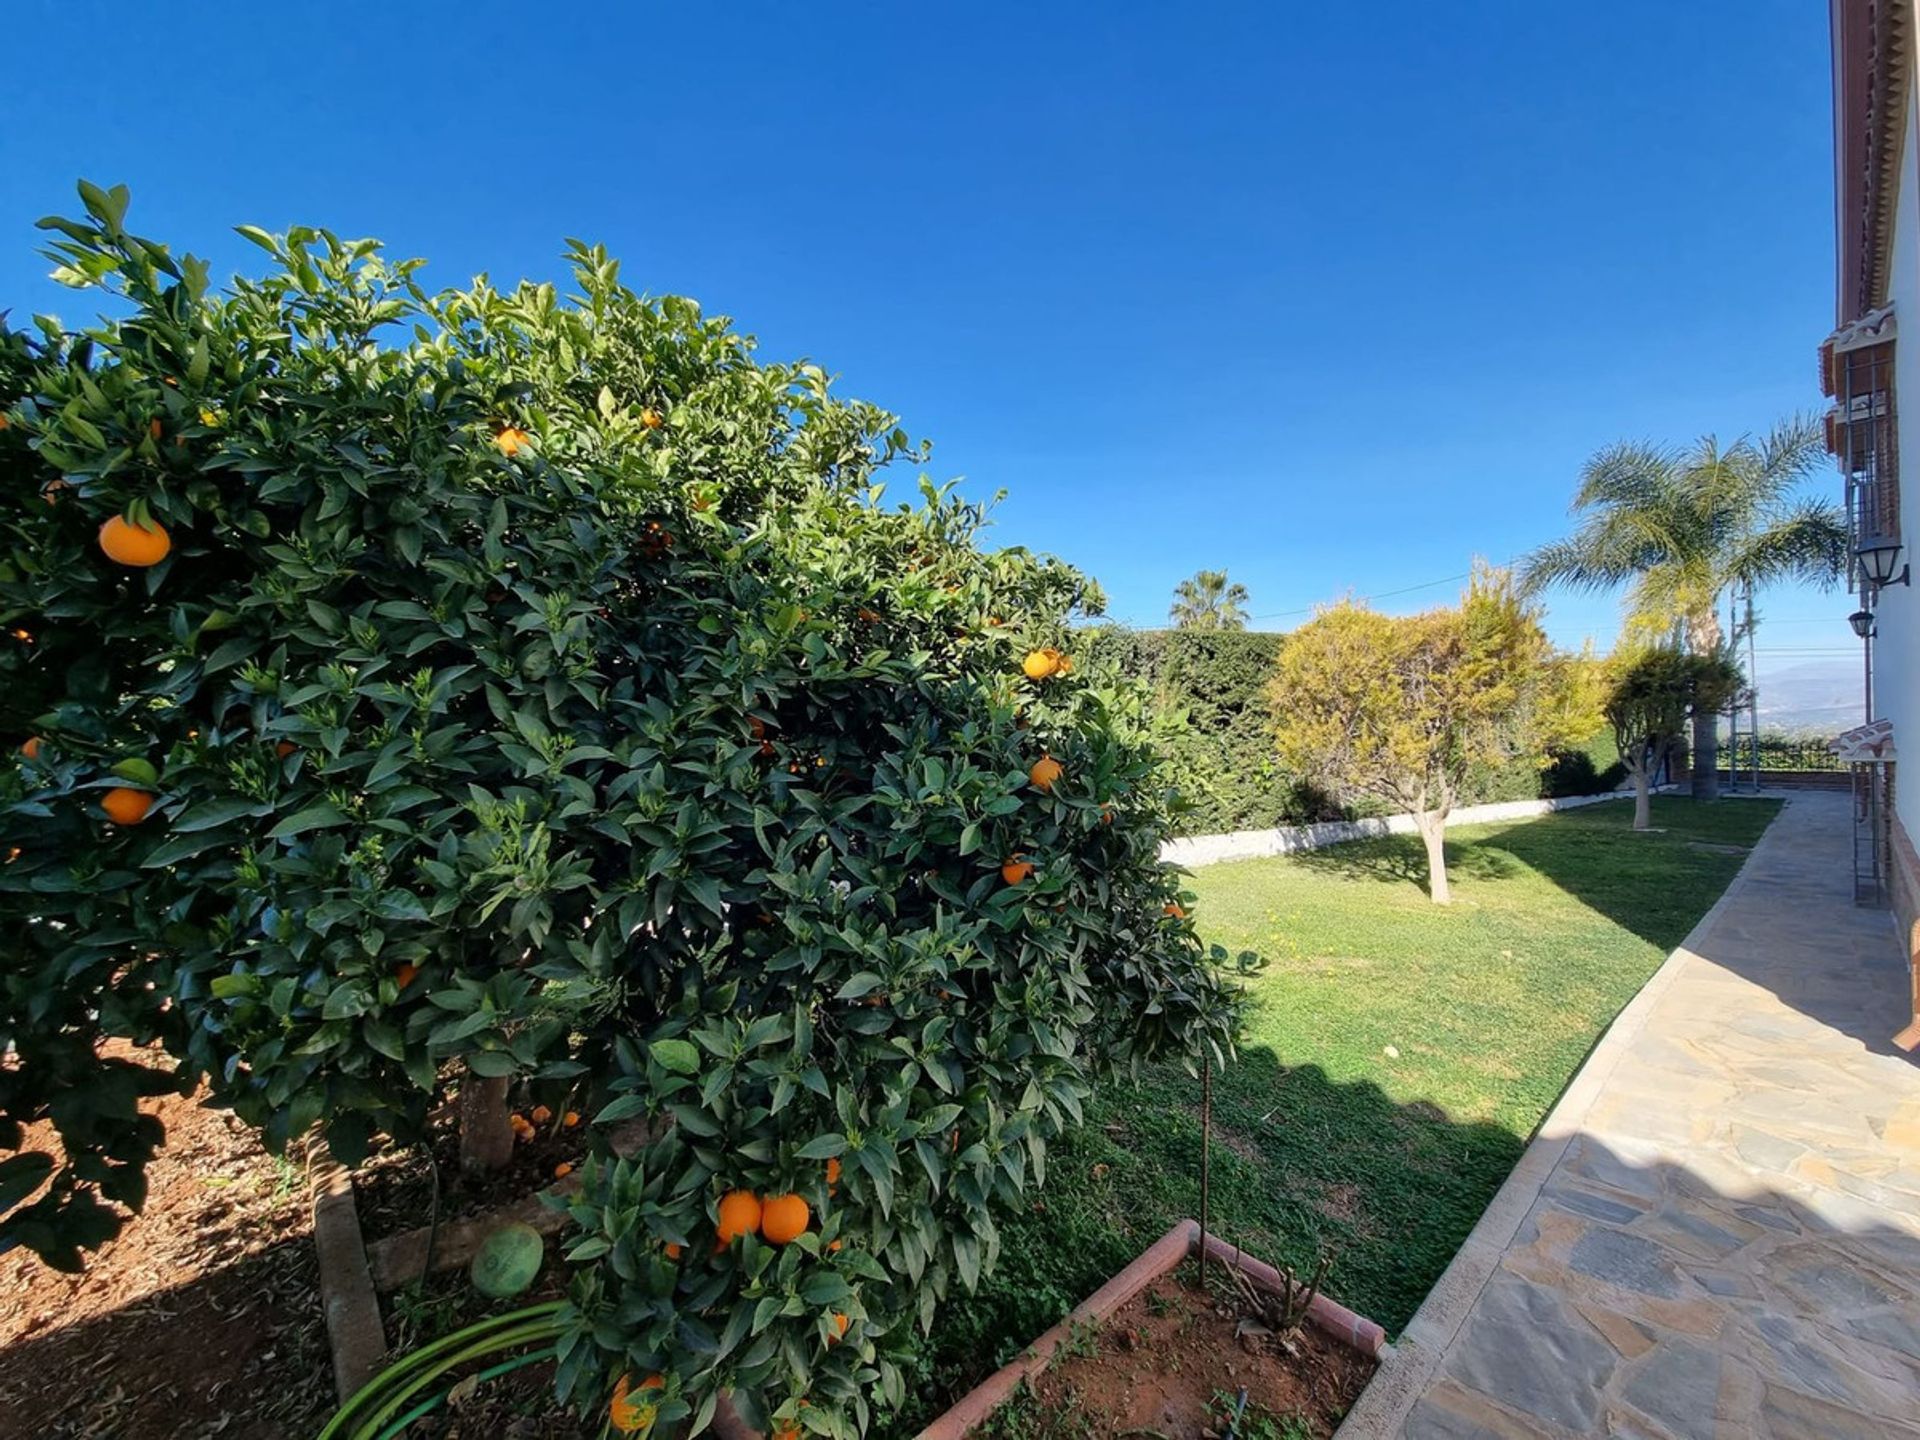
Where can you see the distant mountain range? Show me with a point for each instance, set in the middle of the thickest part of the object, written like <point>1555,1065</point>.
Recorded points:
<point>1811,697</point>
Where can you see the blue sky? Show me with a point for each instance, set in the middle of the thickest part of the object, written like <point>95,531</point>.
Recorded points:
<point>1336,301</point>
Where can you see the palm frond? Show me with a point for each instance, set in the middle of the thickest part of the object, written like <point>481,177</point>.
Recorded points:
<point>1805,540</point>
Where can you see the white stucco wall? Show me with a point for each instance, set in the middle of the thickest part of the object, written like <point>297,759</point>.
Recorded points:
<point>1896,656</point>
<point>1253,844</point>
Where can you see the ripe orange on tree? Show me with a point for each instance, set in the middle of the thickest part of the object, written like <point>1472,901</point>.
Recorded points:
<point>833,1173</point>
<point>404,973</point>
<point>510,440</point>
<point>1039,664</point>
<point>31,749</point>
<point>837,1323</point>
<point>1016,870</point>
<point>1174,910</point>
<point>783,1218</point>
<point>628,1414</point>
<point>740,1213</point>
<point>125,805</point>
<point>126,543</point>
<point>1046,772</point>
<point>651,418</point>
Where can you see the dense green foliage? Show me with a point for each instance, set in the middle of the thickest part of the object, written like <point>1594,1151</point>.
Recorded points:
<point>539,686</point>
<point>1323,1139</point>
<point>1225,760</point>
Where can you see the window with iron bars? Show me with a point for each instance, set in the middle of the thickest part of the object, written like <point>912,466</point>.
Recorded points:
<point>1861,434</point>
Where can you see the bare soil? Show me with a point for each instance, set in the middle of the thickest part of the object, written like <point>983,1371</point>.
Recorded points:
<point>393,1189</point>
<point>1171,1365</point>
<point>201,1319</point>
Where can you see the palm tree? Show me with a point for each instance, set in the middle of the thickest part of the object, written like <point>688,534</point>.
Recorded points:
<point>1678,527</point>
<point>1208,602</point>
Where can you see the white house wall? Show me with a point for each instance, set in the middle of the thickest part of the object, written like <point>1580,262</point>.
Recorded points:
<point>1896,668</point>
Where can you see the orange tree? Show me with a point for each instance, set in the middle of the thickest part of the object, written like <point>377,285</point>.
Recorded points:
<point>539,689</point>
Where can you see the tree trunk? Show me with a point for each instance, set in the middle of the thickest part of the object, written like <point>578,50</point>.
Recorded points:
<point>1706,756</point>
<point>1642,800</point>
<point>486,1132</point>
<point>1433,829</point>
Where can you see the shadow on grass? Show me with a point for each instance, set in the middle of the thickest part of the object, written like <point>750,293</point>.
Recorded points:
<point>1815,1293</point>
<point>1649,883</point>
<point>1300,1165</point>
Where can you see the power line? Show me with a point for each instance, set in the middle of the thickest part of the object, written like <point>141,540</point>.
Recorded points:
<point>1381,595</point>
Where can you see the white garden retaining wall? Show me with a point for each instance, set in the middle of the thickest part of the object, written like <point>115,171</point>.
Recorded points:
<point>1193,850</point>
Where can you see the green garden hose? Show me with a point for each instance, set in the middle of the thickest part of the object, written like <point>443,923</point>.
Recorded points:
<point>427,1406</point>
<point>376,1402</point>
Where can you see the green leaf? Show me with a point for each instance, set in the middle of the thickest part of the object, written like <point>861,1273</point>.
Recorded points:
<point>679,1057</point>
<point>215,812</point>
<point>861,984</point>
<point>624,1108</point>
<point>822,1147</point>
<point>232,987</point>
<point>314,817</point>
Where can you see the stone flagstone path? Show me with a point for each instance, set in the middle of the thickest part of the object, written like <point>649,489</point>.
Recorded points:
<point>1717,1232</point>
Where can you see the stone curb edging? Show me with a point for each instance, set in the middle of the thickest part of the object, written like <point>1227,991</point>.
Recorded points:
<point>1156,1260</point>
<point>1411,1362</point>
<point>1191,851</point>
<point>356,1337</point>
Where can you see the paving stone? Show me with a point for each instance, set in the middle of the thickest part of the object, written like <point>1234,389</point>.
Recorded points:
<point>1677,1384</point>
<point>1766,1151</point>
<point>1626,1261</point>
<point>1626,1335</point>
<point>1594,1207</point>
<point>1889,1328</point>
<point>1728,1287</point>
<point>1788,1415</point>
<point>1523,1347</point>
<point>1447,1413</point>
<point>1725,1244</point>
<point>1794,1356</point>
<point>1767,1215</point>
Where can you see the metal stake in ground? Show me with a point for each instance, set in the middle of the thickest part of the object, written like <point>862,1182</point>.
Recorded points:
<point>1206,1146</point>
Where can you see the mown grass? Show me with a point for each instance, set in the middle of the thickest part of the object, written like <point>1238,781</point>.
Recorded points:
<point>1397,1059</point>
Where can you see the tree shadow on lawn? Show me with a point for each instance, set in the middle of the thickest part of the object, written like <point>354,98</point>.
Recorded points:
<point>1402,860</point>
<point>1656,885</point>
<point>1796,932</point>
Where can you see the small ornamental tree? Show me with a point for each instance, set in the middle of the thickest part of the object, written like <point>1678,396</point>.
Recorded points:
<point>495,686</point>
<point>1651,696</point>
<point>1402,709</point>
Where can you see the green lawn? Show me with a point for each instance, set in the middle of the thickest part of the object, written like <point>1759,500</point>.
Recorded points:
<point>1321,1137</point>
